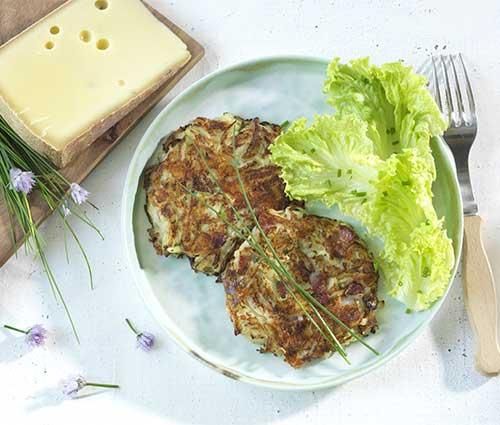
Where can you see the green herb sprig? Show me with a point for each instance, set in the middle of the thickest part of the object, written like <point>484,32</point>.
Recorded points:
<point>52,188</point>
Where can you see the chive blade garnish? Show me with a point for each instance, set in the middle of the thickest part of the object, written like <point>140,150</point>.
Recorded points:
<point>273,260</point>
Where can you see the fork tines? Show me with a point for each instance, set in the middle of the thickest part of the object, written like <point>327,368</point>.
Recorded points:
<point>452,82</point>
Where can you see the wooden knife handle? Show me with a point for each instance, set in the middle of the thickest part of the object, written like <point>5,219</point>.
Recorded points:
<point>480,298</point>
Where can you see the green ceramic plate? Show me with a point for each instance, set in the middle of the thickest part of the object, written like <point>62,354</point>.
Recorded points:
<point>190,306</point>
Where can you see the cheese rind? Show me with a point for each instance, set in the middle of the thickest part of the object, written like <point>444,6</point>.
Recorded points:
<point>75,73</point>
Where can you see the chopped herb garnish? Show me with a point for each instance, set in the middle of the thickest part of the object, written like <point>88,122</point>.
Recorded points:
<point>406,183</point>
<point>358,194</point>
<point>396,142</point>
<point>339,173</point>
<point>313,150</point>
<point>426,272</point>
<point>385,193</point>
<point>284,125</point>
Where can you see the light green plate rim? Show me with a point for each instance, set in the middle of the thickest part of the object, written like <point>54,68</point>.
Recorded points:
<point>134,173</point>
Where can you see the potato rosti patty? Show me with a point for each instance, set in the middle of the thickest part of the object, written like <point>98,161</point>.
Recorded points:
<point>328,259</point>
<point>183,224</point>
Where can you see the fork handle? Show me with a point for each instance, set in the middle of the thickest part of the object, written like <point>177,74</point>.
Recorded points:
<point>480,298</point>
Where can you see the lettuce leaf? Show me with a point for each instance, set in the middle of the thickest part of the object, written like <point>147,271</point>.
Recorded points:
<point>331,161</point>
<point>417,257</point>
<point>372,158</point>
<point>394,102</point>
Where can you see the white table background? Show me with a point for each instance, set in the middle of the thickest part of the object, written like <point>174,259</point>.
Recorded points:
<point>433,381</point>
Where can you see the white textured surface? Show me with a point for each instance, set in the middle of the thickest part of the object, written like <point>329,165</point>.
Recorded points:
<point>431,382</point>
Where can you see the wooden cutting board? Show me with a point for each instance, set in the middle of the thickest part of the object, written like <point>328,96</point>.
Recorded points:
<point>15,16</point>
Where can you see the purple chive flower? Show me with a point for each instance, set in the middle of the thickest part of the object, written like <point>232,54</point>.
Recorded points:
<point>21,181</point>
<point>78,193</point>
<point>72,386</point>
<point>145,340</point>
<point>35,336</point>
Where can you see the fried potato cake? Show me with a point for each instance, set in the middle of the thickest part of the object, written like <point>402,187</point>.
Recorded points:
<point>182,198</point>
<point>328,259</point>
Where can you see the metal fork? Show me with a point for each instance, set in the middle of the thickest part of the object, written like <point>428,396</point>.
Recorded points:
<point>458,106</point>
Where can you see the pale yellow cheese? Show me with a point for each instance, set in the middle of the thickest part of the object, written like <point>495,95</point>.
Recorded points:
<point>83,62</point>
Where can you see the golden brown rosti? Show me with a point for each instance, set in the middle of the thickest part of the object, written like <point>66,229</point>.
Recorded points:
<point>183,224</point>
<point>328,259</point>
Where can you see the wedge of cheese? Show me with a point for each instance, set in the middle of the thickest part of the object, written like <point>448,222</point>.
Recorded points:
<point>74,74</point>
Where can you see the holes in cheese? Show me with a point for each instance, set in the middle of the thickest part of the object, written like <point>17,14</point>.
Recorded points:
<point>55,30</point>
<point>85,36</point>
<point>102,44</point>
<point>49,45</point>
<point>101,4</point>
